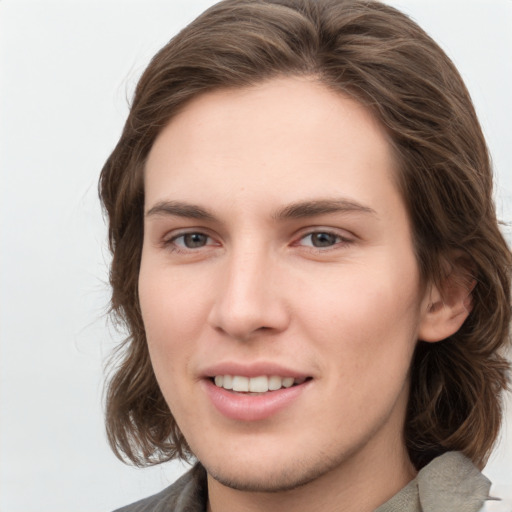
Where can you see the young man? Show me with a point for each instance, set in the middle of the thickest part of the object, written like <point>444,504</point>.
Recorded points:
<point>307,258</point>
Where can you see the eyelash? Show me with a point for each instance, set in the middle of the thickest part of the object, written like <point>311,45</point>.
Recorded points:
<point>341,241</point>
<point>172,244</point>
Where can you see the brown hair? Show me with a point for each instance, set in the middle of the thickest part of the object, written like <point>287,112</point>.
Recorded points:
<point>383,59</point>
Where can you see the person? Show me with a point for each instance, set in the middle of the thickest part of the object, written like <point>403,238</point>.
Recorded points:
<point>307,258</point>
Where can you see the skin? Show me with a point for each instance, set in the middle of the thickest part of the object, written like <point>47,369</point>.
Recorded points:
<point>253,287</point>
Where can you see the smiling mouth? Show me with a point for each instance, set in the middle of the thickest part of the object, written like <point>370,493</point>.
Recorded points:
<point>260,384</point>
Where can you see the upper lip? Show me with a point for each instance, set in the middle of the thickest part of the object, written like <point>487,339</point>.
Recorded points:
<point>255,369</point>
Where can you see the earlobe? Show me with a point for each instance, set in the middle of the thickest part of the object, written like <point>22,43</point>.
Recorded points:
<point>446,306</point>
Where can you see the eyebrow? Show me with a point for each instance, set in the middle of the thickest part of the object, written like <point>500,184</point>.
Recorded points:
<point>302,209</point>
<point>180,209</point>
<point>297,210</point>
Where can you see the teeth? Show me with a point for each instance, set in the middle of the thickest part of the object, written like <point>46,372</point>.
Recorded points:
<point>274,383</point>
<point>288,382</point>
<point>227,382</point>
<point>240,383</point>
<point>260,384</point>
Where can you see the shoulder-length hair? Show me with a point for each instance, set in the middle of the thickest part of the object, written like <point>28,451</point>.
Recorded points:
<point>384,60</point>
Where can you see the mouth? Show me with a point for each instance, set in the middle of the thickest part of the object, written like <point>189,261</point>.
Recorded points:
<point>256,385</point>
<point>251,394</point>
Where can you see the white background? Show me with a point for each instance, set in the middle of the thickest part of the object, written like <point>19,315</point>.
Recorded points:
<point>67,69</point>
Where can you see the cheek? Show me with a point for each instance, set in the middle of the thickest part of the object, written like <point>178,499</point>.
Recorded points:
<point>171,323</point>
<point>169,299</point>
<point>174,313</point>
<point>365,320</point>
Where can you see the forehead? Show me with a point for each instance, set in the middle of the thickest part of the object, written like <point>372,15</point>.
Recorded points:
<point>281,139</point>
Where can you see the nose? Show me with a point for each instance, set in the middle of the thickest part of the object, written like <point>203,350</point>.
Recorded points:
<point>249,300</point>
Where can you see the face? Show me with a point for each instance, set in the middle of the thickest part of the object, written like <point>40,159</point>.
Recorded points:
<point>278,285</point>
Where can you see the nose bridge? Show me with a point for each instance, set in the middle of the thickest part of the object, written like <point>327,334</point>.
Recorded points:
<point>247,300</point>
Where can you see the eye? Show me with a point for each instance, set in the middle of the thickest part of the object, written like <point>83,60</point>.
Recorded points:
<point>192,240</point>
<point>322,239</point>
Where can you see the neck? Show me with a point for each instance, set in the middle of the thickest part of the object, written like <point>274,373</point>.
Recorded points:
<point>361,483</point>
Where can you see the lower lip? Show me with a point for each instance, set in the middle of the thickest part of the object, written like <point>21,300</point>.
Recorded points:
<point>248,407</point>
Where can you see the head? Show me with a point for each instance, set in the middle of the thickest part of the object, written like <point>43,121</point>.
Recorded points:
<point>376,59</point>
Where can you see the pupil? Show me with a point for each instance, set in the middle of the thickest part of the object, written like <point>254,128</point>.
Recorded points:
<point>194,240</point>
<point>323,239</point>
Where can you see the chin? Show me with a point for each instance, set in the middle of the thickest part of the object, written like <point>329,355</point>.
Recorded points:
<point>279,478</point>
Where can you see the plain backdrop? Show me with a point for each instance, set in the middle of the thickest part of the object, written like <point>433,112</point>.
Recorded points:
<point>67,70</point>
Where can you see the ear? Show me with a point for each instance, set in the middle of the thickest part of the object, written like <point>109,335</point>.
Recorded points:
<point>447,304</point>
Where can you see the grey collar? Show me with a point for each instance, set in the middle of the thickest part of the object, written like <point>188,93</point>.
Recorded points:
<point>450,482</point>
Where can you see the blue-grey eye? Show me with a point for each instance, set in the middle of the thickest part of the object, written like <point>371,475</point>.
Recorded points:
<point>192,240</point>
<point>322,239</point>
